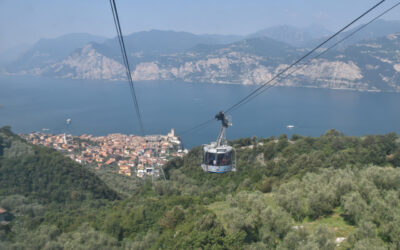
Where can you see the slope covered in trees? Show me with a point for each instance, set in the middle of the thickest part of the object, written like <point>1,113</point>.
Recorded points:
<point>297,193</point>
<point>45,174</point>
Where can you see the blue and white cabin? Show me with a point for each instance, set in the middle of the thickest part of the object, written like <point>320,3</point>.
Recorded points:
<point>218,157</point>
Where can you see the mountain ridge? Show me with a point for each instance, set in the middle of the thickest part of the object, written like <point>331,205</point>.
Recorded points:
<point>47,51</point>
<point>292,35</point>
<point>170,55</point>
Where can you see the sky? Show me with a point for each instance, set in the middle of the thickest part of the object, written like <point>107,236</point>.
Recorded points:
<point>24,22</point>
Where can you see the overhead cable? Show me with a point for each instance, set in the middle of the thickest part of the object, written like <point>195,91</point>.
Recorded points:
<point>303,57</point>
<point>126,64</point>
<point>320,54</point>
<point>281,75</point>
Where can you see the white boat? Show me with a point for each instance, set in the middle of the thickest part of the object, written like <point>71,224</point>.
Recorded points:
<point>290,126</point>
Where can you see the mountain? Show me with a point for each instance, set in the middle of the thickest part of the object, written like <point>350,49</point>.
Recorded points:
<point>368,63</point>
<point>212,63</point>
<point>157,42</point>
<point>377,29</point>
<point>85,63</point>
<point>146,43</point>
<point>294,36</point>
<point>45,174</point>
<point>378,59</point>
<point>10,55</point>
<point>221,39</point>
<point>313,35</point>
<point>47,51</point>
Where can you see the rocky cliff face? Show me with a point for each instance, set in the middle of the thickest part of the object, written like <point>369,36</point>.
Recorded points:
<point>87,64</point>
<point>368,66</point>
<point>248,70</point>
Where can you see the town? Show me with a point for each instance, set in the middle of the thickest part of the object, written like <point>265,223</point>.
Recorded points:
<point>130,154</point>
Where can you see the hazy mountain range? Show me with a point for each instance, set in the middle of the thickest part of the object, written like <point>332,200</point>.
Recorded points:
<point>47,51</point>
<point>368,61</point>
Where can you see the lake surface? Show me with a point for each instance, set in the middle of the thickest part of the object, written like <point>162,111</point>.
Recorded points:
<point>101,107</point>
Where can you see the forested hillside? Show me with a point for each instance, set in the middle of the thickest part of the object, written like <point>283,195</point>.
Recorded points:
<point>288,193</point>
<point>45,174</point>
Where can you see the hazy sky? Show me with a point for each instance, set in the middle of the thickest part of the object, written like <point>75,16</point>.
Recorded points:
<point>26,21</point>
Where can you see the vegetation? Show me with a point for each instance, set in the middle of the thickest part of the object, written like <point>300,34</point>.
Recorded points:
<point>297,193</point>
<point>44,174</point>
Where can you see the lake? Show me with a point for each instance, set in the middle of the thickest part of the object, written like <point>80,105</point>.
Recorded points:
<point>101,107</point>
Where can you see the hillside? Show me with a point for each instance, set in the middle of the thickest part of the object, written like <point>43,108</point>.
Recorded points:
<point>299,193</point>
<point>45,174</point>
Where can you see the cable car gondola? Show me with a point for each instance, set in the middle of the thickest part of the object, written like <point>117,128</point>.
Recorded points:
<point>219,157</point>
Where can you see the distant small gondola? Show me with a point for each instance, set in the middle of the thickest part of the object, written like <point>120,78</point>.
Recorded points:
<point>219,157</point>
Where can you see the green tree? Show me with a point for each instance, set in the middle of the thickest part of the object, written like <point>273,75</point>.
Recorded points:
<point>291,197</point>
<point>322,238</point>
<point>172,217</point>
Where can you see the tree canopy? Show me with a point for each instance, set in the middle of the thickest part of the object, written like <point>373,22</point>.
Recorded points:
<point>297,193</point>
